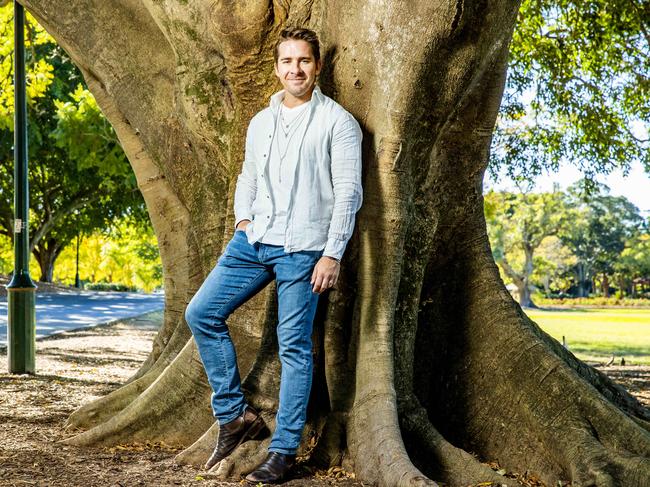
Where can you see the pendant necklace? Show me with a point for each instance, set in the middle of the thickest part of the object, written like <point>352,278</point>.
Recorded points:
<point>292,126</point>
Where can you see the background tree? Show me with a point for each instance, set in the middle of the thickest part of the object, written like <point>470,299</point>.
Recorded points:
<point>518,223</point>
<point>553,266</point>
<point>422,354</point>
<point>633,263</point>
<point>79,177</point>
<point>601,226</point>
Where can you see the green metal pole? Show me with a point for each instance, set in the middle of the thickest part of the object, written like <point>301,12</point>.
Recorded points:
<point>21,290</point>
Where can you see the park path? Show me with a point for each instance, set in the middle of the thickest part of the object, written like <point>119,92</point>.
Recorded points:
<point>58,312</point>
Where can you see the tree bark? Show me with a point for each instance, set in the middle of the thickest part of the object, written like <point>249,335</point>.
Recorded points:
<point>46,253</point>
<point>582,273</point>
<point>425,365</point>
<point>521,281</point>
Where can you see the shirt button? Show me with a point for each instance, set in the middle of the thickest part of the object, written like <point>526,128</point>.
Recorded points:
<point>268,217</point>
<point>264,155</point>
<point>268,196</point>
<point>269,136</point>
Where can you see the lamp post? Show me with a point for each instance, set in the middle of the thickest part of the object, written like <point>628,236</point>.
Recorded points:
<point>77,281</point>
<point>21,290</point>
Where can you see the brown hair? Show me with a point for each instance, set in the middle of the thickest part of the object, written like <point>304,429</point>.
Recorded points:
<point>299,34</point>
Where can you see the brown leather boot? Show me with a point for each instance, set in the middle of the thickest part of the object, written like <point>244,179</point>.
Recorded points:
<point>273,469</point>
<point>249,425</point>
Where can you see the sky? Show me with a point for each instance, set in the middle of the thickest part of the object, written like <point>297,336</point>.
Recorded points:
<point>635,186</point>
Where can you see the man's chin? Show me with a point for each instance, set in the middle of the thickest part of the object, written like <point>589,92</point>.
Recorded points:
<point>299,91</point>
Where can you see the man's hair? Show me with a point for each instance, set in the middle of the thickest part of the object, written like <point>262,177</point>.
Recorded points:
<point>299,34</point>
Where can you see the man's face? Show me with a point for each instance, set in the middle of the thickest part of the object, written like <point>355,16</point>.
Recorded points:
<point>296,67</point>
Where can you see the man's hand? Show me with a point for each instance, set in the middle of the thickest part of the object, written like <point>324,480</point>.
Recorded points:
<point>242,225</point>
<point>325,275</point>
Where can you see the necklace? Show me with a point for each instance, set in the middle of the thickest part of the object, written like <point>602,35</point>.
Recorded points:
<point>288,135</point>
<point>289,126</point>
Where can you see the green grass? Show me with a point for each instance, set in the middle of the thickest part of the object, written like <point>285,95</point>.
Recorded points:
<point>595,335</point>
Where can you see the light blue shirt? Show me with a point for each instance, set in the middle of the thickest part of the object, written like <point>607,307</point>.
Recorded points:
<point>325,180</point>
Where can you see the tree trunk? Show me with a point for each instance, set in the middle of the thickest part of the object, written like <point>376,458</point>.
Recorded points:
<point>525,299</point>
<point>521,281</point>
<point>547,284</point>
<point>583,280</point>
<point>622,286</point>
<point>46,253</point>
<point>425,364</point>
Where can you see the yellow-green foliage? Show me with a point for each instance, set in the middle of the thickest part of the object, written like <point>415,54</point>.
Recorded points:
<point>39,73</point>
<point>128,255</point>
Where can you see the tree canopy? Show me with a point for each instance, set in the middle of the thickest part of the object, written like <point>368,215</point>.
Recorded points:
<point>578,89</point>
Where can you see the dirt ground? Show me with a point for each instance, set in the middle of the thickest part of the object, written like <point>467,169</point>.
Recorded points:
<point>76,367</point>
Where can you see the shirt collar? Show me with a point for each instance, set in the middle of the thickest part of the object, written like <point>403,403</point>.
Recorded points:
<point>277,98</point>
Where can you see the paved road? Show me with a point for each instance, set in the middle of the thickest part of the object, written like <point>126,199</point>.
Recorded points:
<point>59,312</point>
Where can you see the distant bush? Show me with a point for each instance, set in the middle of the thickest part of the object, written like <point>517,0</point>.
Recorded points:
<point>109,286</point>
<point>595,301</point>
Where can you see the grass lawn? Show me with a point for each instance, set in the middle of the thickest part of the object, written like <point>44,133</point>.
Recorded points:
<point>594,334</point>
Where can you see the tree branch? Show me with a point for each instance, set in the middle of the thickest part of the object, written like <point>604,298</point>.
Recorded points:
<point>49,224</point>
<point>510,272</point>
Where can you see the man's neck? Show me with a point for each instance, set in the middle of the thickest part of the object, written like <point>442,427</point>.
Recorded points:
<point>291,101</point>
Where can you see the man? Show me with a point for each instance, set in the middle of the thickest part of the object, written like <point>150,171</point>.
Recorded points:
<point>295,205</point>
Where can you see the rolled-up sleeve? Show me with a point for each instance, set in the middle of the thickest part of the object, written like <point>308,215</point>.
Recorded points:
<point>346,166</point>
<point>246,182</point>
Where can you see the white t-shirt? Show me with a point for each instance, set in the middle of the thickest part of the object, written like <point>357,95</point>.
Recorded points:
<point>284,149</point>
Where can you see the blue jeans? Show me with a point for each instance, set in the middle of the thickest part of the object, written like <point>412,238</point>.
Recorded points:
<point>241,272</point>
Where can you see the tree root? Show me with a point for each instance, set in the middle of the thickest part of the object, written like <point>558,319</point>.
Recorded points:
<point>199,451</point>
<point>438,458</point>
<point>169,340</point>
<point>174,409</point>
<point>590,463</point>
<point>377,449</point>
<point>104,408</point>
<point>242,461</point>
<point>331,445</point>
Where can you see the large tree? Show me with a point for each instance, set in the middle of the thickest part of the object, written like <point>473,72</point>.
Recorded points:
<point>425,362</point>
<point>601,227</point>
<point>518,223</point>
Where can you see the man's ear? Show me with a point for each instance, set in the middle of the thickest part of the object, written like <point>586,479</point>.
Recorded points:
<point>319,66</point>
<point>275,69</point>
